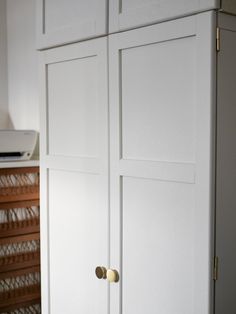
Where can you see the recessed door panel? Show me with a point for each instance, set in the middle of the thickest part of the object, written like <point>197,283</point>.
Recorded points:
<point>61,13</point>
<point>158,100</point>
<point>158,246</point>
<point>77,230</point>
<point>73,88</point>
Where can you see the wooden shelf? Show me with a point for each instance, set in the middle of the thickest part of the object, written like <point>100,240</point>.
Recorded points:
<point>19,297</point>
<point>20,204</point>
<point>19,184</point>
<point>20,272</point>
<point>21,305</point>
<point>15,171</point>
<point>14,295</point>
<point>19,261</point>
<point>14,194</point>
<point>19,228</point>
<point>19,238</point>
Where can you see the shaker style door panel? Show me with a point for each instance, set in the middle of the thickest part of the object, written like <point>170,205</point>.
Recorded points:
<point>158,251</point>
<point>154,77</point>
<point>64,21</point>
<point>69,91</point>
<point>161,83</point>
<point>76,208</point>
<point>126,14</point>
<point>74,169</point>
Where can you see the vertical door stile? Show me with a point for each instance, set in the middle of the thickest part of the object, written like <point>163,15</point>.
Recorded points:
<point>205,170</point>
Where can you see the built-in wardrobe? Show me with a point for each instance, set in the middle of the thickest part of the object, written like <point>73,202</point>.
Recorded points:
<point>138,153</point>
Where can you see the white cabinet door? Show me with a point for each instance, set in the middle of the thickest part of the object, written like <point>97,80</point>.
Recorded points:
<point>126,14</point>
<point>161,107</point>
<point>65,21</point>
<point>74,178</point>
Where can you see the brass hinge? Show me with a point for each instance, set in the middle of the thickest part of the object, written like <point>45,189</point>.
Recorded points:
<point>217,39</point>
<point>216,268</point>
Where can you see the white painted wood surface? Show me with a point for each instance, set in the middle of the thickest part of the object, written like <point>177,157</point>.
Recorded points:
<point>64,21</point>
<point>161,220</point>
<point>127,14</point>
<point>77,223</point>
<point>61,22</point>
<point>19,164</point>
<point>74,178</point>
<point>226,170</point>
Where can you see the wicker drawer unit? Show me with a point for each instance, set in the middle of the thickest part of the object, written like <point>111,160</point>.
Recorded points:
<point>19,240</point>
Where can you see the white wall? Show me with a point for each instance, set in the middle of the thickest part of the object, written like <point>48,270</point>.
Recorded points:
<point>4,122</point>
<point>22,64</point>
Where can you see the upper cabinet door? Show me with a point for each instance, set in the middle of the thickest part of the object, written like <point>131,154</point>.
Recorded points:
<point>126,14</point>
<point>64,21</point>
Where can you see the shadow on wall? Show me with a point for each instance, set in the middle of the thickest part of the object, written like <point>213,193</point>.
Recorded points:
<point>5,120</point>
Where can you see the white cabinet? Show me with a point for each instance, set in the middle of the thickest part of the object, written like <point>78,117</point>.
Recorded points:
<point>128,181</point>
<point>126,14</point>
<point>64,21</point>
<point>61,22</point>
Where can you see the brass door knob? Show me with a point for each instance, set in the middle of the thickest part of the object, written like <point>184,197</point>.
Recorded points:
<point>112,275</point>
<point>101,272</point>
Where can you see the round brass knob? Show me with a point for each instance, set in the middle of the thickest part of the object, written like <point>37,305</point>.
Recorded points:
<point>101,272</point>
<point>112,275</point>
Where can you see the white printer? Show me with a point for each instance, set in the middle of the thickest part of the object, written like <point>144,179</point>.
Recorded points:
<point>17,145</point>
